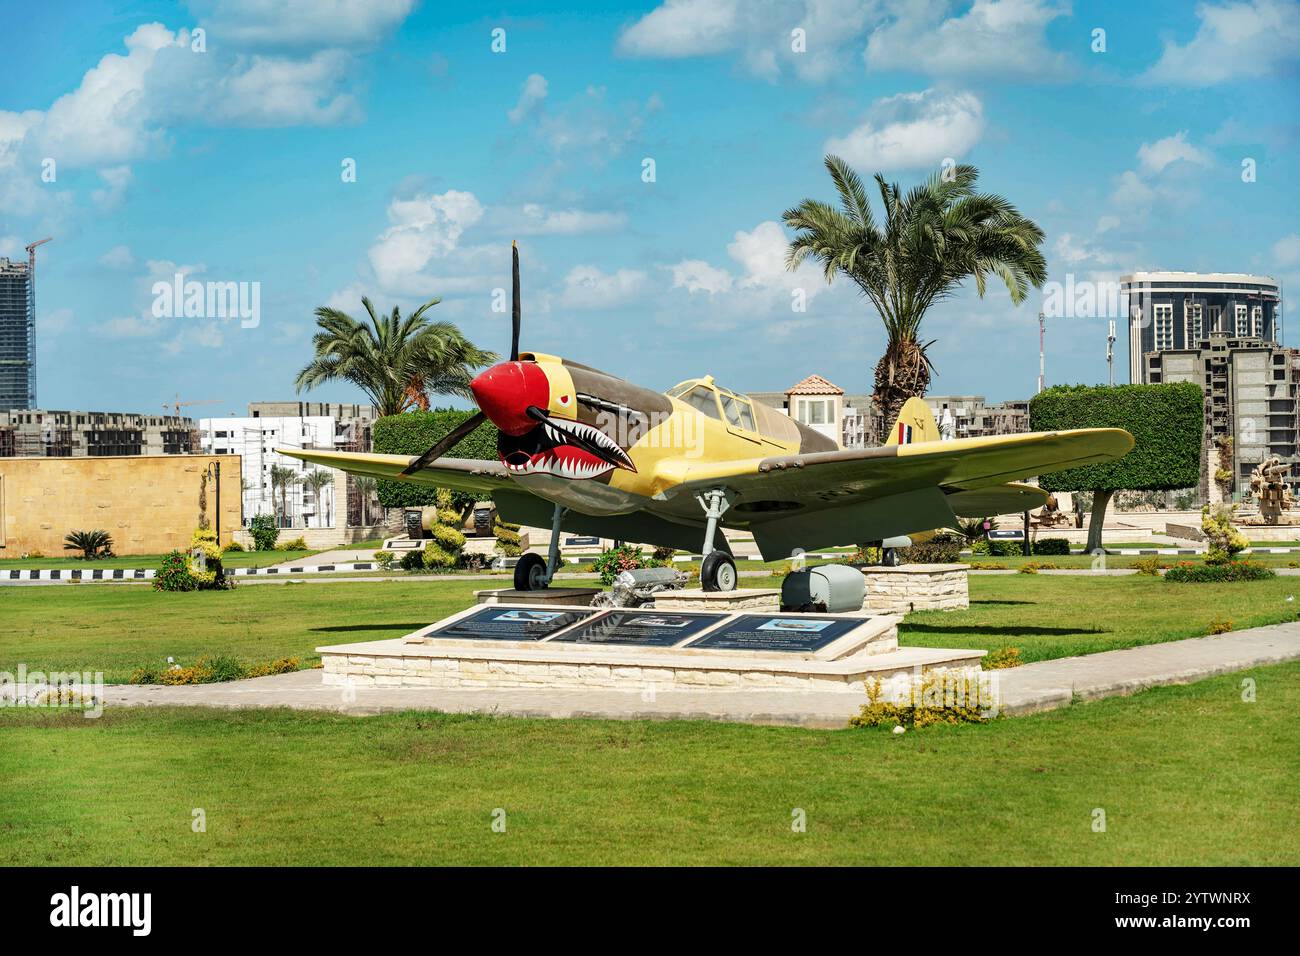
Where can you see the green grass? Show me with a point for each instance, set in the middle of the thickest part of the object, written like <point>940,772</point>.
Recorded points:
<point>1186,776</point>
<point>231,559</point>
<point>1049,617</point>
<point>117,628</point>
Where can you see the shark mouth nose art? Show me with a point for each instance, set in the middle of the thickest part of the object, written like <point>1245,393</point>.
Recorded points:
<point>561,447</point>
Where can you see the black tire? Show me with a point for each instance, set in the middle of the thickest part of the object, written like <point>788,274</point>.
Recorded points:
<point>530,573</point>
<point>718,572</point>
<point>890,557</point>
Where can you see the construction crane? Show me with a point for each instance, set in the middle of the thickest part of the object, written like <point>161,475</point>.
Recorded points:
<point>177,405</point>
<point>31,253</point>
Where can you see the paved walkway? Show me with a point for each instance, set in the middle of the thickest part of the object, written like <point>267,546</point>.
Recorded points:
<point>1033,687</point>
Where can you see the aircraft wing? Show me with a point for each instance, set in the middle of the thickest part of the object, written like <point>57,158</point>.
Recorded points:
<point>461,474</point>
<point>839,497</point>
<point>1011,498</point>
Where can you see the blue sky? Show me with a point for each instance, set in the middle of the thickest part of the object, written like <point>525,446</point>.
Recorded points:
<point>225,163</point>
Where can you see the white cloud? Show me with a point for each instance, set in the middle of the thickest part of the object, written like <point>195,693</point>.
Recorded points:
<point>993,37</point>
<point>10,247</point>
<point>1154,157</point>
<point>1233,41</point>
<point>1164,176</point>
<point>696,275</point>
<point>1074,253</point>
<point>312,23</point>
<point>531,97</point>
<point>681,28</point>
<point>119,257</point>
<point>587,287</point>
<point>1286,251</point>
<point>536,220</point>
<point>116,180</point>
<point>107,118</point>
<point>278,91</point>
<point>913,130</point>
<point>425,228</point>
<point>590,127</point>
<point>52,323</point>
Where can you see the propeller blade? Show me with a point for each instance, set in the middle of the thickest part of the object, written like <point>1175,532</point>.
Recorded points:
<point>514,302</point>
<point>444,444</point>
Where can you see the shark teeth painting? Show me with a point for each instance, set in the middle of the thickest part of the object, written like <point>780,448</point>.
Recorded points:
<point>563,448</point>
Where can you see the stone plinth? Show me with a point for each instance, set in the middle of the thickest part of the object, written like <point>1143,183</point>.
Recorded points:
<point>741,599</point>
<point>572,597</point>
<point>916,587</point>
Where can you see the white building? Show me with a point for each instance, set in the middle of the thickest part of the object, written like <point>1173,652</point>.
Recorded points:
<point>255,440</point>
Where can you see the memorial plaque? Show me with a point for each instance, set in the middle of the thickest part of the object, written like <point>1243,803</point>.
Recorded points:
<point>640,628</point>
<point>794,633</point>
<point>498,623</point>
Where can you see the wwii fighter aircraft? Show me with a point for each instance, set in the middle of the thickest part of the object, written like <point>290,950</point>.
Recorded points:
<point>586,452</point>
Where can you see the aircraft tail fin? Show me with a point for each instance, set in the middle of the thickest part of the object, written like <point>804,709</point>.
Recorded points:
<point>915,424</point>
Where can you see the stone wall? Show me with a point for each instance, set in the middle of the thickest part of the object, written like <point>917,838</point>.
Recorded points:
<point>148,503</point>
<point>917,587</point>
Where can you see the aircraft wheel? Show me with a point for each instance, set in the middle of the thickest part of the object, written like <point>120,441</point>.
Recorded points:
<point>530,573</point>
<point>718,572</point>
<point>890,558</point>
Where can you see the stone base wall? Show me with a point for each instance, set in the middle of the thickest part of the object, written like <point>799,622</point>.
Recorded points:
<point>742,599</point>
<point>364,670</point>
<point>917,587</point>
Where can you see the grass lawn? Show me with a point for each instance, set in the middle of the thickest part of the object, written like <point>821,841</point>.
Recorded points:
<point>232,559</point>
<point>1114,561</point>
<point>117,628</point>
<point>1185,775</point>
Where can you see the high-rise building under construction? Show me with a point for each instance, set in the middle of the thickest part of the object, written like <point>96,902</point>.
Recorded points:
<point>17,335</point>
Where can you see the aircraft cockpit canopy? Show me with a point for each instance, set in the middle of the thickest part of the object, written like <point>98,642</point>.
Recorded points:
<point>704,395</point>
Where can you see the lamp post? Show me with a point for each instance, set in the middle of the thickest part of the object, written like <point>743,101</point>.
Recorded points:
<point>214,469</point>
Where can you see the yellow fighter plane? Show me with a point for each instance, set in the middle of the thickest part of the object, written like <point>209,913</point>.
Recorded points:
<point>586,452</point>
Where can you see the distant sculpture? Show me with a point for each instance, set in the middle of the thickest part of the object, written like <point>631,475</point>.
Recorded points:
<point>1269,488</point>
<point>1050,514</point>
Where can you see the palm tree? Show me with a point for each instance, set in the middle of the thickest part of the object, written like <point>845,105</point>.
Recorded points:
<point>318,480</point>
<point>92,544</point>
<point>283,478</point>
<point>365,486</point>
<point>932,239</point>
<point>398,362</point>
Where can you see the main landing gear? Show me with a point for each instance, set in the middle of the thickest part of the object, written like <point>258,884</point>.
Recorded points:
<point>718,571</point>
<point>532,573</point>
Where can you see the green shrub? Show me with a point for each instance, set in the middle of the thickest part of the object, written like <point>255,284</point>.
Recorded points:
<point>412,560</point>
<point>1149,566</point>
<point>384,559</point>
<point>174,575</point>
<point>1052,546</point>
<point>1219,625</point>
<point>234,546</point>
<point>996,549</point>
<point>936,697</point>
<point>449,537</point>
<point>507,536</point>
<point>1223,541</point>
<point>1033,567</point>
<point>437,557</point>
<point>91,544</point>
<point>612,562</point>
<point>264,532</point>
<point>663,554</point>
<point>941,549</point>
<point>210,670</point>
<point>1187,573</point>
<point>1002,658</point>
<point>294,544</point>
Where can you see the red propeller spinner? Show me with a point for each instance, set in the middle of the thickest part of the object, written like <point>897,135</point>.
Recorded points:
<point>505,391</point>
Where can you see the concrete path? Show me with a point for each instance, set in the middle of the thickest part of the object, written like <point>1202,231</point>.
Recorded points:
<point>1033,687</point>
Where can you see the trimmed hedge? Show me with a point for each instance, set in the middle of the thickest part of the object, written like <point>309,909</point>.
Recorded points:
<point>1186,573</point>
<point>940,549</point>
<point>1167,422</point>
<point>413,433</point>
<point>1051,546</point>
